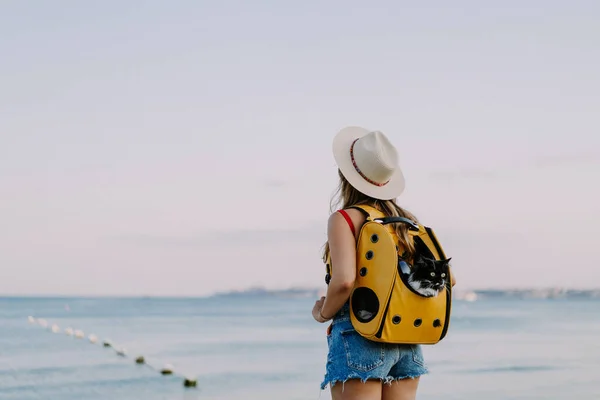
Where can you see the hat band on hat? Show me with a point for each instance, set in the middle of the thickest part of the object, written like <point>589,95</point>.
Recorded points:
<point>359,171</point>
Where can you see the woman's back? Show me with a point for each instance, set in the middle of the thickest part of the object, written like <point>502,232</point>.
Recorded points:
<point>367,370</point>
<point>354,360</point>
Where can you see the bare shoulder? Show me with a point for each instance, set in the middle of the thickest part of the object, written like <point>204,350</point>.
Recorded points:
<point>338,222</point>
<point>357,216</point>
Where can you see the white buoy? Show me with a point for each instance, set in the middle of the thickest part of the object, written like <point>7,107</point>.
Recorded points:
<point>79,334</point>
<point>43,322</point>
<point>69,331</point>
<point>471,296</point>
<point>55,328</point>
<point>93,338</point>
<point>167,369</point>
<point>31,319</point>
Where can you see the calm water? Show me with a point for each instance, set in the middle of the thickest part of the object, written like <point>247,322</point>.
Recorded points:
<point>270,348</point>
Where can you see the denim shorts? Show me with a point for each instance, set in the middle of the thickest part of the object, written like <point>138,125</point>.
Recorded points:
<point>351,356</point>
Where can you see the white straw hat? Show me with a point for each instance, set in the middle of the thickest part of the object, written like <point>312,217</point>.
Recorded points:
<point>369,162</point>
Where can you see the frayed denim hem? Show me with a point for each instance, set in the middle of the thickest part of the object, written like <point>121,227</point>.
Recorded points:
<point>386,381</point>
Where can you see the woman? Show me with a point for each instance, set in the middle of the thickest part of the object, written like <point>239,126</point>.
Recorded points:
<point>356,367</point>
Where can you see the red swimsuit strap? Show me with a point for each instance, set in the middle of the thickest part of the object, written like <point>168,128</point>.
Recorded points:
<point>348,220</point>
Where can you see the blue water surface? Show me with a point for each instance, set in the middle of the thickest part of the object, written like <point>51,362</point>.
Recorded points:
<point>266,347</point>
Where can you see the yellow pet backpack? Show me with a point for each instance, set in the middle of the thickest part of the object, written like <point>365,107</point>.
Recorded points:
<point>384,307</point>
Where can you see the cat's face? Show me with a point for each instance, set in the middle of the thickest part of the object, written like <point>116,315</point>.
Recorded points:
<point>433,274</point>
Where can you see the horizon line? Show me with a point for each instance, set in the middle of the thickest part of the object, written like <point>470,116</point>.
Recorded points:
<point>250,289</point>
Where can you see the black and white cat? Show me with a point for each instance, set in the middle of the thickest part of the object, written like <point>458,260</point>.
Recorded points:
<point>426,276</point>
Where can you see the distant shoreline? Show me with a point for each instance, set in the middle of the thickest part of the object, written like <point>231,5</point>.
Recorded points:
<point>468,295</point>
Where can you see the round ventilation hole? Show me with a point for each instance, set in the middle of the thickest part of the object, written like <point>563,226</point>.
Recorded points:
<point>365,304</point>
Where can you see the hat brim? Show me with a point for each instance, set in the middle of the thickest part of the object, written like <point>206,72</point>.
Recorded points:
<point>341,153</point>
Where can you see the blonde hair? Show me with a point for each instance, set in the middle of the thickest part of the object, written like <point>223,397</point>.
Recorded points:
<point>347,196</point>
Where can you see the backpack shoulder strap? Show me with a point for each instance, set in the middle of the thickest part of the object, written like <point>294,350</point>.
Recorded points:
<point>374,214</point>
<point>370,212</point>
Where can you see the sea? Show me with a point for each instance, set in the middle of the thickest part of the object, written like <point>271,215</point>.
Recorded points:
<point>269,347</point>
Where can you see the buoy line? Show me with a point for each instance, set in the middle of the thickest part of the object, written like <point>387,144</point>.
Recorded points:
<point>167,369</point>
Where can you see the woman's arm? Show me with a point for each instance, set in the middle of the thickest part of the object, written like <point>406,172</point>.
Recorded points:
<point>342,250</point>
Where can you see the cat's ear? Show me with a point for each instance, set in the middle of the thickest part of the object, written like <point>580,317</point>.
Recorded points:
<point>447,265</point>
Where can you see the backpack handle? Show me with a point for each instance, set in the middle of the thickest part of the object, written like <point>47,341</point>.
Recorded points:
<point>391,220</point>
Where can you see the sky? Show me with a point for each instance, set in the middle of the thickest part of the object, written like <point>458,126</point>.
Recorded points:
<point>183,148</point>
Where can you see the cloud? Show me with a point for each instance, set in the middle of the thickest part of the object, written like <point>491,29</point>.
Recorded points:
<point>500,171</point>
<point>275,183</point>
<point>464,173</point>
<point>565,159</point>
<point>241,237</point>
